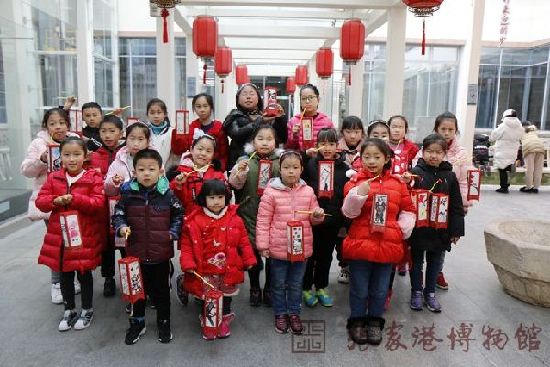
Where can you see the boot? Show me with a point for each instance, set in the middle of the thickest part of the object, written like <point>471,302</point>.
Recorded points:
<point>357,330</point>
<point>225,327</point>
<point>375,326</point>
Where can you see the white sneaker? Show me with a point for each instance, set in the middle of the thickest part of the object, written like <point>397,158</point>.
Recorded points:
<point>76,287</point>
<point>57,297</point>
<point>343,277</point>
<point>85,319</point>
<point>68,320</point>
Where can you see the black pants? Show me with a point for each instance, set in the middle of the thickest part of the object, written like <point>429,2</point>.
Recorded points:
<point>156,281</point>
<point>226,305</point>
<point>504,177</point>
<point>318,265</point>
<point>86,289</point>
<point>108,260</point>
<point>254,272</point>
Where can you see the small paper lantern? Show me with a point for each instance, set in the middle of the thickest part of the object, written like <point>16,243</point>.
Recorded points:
<point>324,60</point>
<point>474,184</point>
<point>131,280</point>
<point>182,122</point>
<point>439,210</point>
<point>295,237</point>
<point>420,199</point>
<point>212,312</point>
<point>326,179</point>
<point>352,42</point>
<point>223,63</point>
<point>264,175</point>
<point>423,9</point>
<point>241,75</point>
<point>54,158</point>
<point>130,120</point>
<point>70,230</point>
<point>205,39</point>
<point>290,85</point>
<point>379,213</point>
<point>300,76</point>
<point>307,132</point>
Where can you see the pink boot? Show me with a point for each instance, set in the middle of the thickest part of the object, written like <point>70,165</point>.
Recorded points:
<point>225,326</point>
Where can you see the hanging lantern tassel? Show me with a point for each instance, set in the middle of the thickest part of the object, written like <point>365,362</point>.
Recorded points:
<point>221,81</point>
<point>349,75</point>
<point>165,13</point>
<point>424,36</point>
<point>204,67</point>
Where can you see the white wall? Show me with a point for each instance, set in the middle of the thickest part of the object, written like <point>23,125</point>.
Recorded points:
<point>134,16</point>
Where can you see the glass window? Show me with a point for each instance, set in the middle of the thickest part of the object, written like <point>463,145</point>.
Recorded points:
<point>488,84</point>
<point>3,115</point>
<point>58,77</point>
<point>54,24</point>
<point>103,82</point>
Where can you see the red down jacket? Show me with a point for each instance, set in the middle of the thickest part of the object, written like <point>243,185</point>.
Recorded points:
<point>363,244</point>
<point>88,201</point>
<point>211,245</point>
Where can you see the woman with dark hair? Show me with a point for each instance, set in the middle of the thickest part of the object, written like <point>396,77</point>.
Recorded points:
<point>243,120</point>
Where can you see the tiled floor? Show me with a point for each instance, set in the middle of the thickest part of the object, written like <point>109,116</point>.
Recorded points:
<point>29,334</point>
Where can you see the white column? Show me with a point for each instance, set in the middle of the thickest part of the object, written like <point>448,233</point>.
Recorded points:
<point>355,99</point>
<point>116,59</point>
<point>395,61</point>
<point>191,71</point>
<point>84,51</point>
<point>166,66</point>
<point>468,74</point>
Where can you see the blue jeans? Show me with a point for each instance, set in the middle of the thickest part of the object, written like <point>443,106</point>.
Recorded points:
<point>369,282</point>
<point>433,263</point>
<point>286,286</point>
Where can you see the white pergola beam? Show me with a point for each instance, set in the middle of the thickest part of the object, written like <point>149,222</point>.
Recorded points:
<point>335,4</point>
<point>279,13</point>
<point>265,54</point>
<point>296,32</point>
<point>273,44</point>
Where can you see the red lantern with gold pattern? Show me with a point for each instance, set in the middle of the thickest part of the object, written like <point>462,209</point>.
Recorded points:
<point>352,42</point>
<point>241,74</point>
<point>223,63</point>
<point>423,9</point>
<point>300,77</point>
<point>324,60</point>
<point>205,39</point>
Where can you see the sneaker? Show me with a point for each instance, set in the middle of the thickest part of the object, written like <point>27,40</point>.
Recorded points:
<point>323,297</point>
<point>440,282</point>
<point>343,277</point>
<point>85,319</point>
<point>57,297</point>
<point>431,303</point>
<point>296,324</point>
<point>137,329</point>
<point>164,333</point>
<point>255,297</point>
<point>109,287</point>
<point>533,190</point>
<point>503,190</point>
<point>310,298</point>
<point>281,324</point>
<point>266,297</point>
<point>181,293</point>
<point>375,326</point>
<point>388,299</point>
<point>402,270</point>
<point>225,327</point>
<point>357,330</point>
<point>76,287</point>
<point>68,320</point>
<point>416,300</point>
<point>128,308</point>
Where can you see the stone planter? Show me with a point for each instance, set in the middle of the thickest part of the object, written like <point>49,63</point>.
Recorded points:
<point>520,252</point>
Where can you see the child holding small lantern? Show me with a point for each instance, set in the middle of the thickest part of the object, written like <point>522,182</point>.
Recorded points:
<point>287,210</point>
<point>214,252</point>
<point>383,216</point>
<point>250,178</point>
<point>149,216</point>
<point>440,219</point>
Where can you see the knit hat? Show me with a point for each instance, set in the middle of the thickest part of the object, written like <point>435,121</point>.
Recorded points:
<point>509,113</point>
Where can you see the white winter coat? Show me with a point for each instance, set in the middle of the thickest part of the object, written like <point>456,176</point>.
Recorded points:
<point>507,137</point>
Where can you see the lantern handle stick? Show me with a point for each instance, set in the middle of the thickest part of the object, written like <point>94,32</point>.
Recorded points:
<point>310,212</point>
<point>121,109</point>
<point>202,279</point>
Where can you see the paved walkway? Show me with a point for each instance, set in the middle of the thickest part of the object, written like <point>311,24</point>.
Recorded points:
<point>29,334</point>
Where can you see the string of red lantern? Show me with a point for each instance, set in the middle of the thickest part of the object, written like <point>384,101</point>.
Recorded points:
<point>352,42</point>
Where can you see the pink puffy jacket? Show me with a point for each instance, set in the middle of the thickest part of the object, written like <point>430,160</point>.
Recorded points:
<point>457,156</point>
<point>119,166</point>
<point>33,167</point>
<point>277,207</point>
<point>294,141</point>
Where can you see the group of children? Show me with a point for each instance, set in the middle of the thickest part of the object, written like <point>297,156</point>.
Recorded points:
<point>275,198</point>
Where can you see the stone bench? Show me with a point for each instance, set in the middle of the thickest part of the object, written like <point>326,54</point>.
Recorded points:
<point>520,253</point>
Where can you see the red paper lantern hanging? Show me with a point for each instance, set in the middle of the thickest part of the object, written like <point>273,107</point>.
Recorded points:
<point>423,9</point>
<point>352,42</point>
<point>300,75</point>
<point>223,63</point>
<point>165,5</point>
<point>324,60</point>
<point>241,74</point>
<point>290,85</point>
<point>205,39</point>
